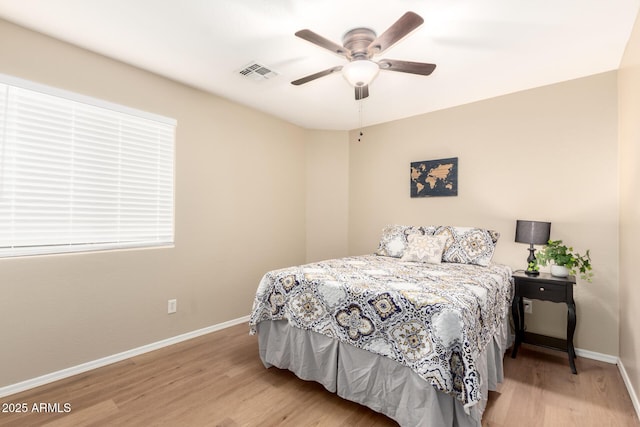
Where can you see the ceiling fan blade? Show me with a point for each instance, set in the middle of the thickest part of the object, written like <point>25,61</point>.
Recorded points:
<point>362,92</point>
<point>403,26</point>
<point>407,66</point>
<point>311,77</point>
<point>318,40</point>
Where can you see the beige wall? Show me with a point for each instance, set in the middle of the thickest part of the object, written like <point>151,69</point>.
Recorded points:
<point>546,154</point>
<point>327,194</point>
<point>240,211</point>
<point>629,104</point>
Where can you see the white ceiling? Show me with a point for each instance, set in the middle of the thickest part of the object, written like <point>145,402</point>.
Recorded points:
<point>482,48</point>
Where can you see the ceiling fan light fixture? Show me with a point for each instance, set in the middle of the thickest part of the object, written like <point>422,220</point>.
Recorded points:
<point>360,72</point>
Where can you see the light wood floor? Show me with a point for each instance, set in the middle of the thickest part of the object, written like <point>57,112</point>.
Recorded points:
<point>218,380</point>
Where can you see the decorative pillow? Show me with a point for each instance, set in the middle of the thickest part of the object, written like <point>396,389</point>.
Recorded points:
<point>424,248</point>
<point>466,245</point>
<point>394,238</point>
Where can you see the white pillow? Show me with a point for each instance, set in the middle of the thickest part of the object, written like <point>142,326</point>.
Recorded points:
<point>424,248</point>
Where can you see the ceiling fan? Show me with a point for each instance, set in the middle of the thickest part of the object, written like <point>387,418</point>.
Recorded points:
<point>359,46</point>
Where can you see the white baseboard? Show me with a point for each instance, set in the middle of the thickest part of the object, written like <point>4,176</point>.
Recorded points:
<point>632,392</point>
<point>588,354</point>
<point>84,367</point>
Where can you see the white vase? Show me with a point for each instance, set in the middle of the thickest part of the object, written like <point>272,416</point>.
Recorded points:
<point>559,271</point>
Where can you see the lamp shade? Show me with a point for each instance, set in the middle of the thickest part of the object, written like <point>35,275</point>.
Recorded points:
<point>360,72</point>
<point>533,232</point>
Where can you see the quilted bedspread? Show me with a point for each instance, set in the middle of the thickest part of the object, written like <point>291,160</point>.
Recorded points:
<point>433,318</point>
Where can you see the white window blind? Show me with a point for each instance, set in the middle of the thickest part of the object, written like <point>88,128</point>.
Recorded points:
<point>81,174</point>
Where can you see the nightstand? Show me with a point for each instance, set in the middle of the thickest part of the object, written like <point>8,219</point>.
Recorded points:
<point>544,287</point>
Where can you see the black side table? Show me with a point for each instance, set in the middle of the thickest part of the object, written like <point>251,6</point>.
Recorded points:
<point>544,287</point>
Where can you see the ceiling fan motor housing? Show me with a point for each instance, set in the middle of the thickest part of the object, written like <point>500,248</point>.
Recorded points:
<point>357,42</point>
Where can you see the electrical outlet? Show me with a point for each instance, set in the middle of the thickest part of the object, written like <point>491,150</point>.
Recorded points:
<point>528,305</point>
<point>172,306</point>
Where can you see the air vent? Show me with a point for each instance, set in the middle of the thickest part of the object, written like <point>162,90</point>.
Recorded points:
<point>257,72</point>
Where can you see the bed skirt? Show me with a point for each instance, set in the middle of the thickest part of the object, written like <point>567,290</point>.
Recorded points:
<point>376,381</point>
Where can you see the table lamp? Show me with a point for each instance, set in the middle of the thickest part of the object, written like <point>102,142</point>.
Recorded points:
<point>534,233</point>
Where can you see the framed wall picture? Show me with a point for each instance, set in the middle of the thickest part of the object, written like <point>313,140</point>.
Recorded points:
<point>432,178</point>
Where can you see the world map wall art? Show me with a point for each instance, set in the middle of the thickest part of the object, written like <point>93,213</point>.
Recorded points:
<point>432,178</point>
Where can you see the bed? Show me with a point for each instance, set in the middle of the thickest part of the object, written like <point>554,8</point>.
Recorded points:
<point>416,331</point>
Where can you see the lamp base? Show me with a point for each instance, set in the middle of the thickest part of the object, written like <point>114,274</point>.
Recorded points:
<point>530,261</point>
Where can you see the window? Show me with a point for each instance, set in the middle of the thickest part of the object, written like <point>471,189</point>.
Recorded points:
<point>80,174</point>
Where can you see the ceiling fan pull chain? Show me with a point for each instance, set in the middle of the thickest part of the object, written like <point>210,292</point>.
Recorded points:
<point>360,134</point>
